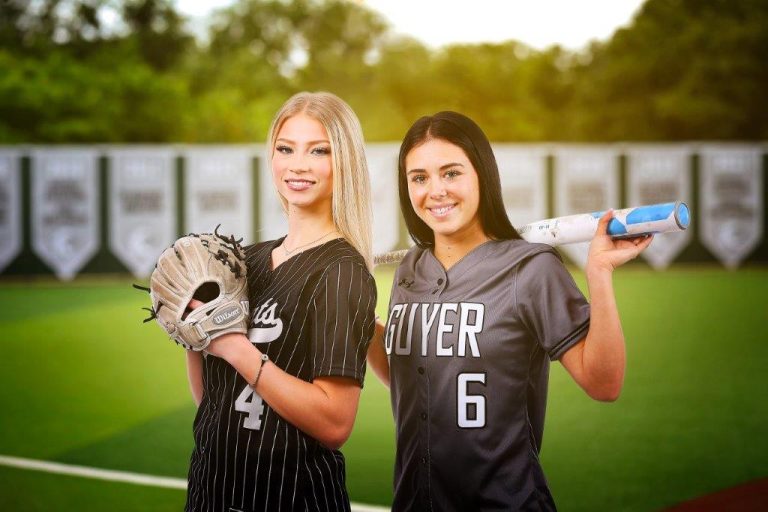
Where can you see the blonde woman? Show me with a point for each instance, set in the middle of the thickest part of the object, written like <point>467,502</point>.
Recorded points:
<point>276,406</point>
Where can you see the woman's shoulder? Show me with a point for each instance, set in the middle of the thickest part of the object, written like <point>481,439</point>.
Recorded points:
<point>517,251</point>
<point>337,253</point>
<point>412,259</point>
<point>338,265</point>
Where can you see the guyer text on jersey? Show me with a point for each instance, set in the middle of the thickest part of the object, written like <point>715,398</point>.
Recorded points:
<point>438,324</point>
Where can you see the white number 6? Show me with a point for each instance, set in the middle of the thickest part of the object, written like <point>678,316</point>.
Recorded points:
<point>465,401</point>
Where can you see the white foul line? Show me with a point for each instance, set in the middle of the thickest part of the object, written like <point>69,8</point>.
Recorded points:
<point>123,476</point>
<point>101,474</point>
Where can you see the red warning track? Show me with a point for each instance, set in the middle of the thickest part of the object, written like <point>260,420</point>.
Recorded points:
<point>749,497</point>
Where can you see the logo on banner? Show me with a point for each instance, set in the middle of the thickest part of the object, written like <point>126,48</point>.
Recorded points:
<point>65,215</point>
<point>142,206</point>
<point>218,189</point>
<point>522,170</point>
<point>586,181</point>
<point>660,175</point>
<point>732,204</point>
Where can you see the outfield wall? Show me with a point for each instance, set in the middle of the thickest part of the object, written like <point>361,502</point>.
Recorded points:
<point>67,210</point>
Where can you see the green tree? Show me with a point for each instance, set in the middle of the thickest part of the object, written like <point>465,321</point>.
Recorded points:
<point>684,69</point>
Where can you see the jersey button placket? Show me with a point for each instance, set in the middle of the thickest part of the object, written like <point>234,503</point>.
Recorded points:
<point>439,286</point>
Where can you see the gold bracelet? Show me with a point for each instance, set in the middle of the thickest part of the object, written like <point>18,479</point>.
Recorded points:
<point>264,359</point>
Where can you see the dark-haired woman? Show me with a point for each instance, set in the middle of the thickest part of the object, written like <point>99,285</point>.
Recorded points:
<point>475,315</point>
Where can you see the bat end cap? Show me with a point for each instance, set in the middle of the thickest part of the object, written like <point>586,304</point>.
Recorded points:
<point>683,216</point>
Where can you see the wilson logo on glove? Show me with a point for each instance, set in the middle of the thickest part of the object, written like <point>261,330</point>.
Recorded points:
<point>210,268</point>
<point>226,316</point>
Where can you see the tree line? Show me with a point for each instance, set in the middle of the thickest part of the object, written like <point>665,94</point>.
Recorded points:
<point>77,71</point>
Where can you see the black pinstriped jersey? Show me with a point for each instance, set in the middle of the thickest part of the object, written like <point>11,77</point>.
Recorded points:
<point>469,363</point>
<point>313,316</point>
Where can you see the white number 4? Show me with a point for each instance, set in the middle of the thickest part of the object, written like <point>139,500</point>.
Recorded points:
<point>250,402</point>
<point>464,401</point>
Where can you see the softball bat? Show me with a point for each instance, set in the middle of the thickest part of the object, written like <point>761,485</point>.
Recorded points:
<point>571,229</point>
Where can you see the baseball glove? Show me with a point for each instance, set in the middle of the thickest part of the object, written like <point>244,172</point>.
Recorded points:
<point>210,268</point>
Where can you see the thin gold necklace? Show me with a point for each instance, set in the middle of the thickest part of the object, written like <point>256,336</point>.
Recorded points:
<point>288,253</point>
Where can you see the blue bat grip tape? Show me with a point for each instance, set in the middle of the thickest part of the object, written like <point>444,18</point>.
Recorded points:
<point>616,228</point>
<point>651,213</point>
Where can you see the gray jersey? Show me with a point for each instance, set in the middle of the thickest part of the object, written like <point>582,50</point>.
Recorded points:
<point>469,353</point>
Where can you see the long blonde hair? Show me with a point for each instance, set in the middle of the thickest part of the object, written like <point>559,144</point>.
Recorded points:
<point>351,202</point>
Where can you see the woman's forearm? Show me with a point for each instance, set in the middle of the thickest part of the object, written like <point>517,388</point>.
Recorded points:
<point>324,409</point>
<point>604,352</point>
<point>195,375</point>
<point>377,357</point>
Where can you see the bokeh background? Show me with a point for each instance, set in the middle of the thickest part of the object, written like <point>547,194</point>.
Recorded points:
<point>84,383</point>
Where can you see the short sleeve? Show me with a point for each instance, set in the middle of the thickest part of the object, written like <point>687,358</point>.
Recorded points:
<point>343,319</point>
<point>551,306</point>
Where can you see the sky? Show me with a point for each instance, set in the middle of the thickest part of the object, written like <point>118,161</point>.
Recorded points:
<point>538,23</point>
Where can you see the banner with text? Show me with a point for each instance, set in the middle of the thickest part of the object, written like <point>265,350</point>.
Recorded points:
<point>218,189</point>
<point>731,201</point>
<point>660,174</point>
<point>382,167</point>
<point>10,206</point>
<point>65,208</point>
<point>523,173</point>
<point>142,206</point>
<point>586,181</point>
<point>273,218</point>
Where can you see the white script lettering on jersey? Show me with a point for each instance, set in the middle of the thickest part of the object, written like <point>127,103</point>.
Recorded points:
<point>463,318</point>
<point>266,326</point>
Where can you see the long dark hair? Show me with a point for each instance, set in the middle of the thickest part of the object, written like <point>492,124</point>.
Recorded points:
<point>460,131</point>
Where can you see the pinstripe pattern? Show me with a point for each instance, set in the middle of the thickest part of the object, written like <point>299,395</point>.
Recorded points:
<point>313,315</point>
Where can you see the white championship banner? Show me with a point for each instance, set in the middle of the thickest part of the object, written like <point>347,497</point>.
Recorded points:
<point>65,208</point>
<point>523,173</point>
<point>731,201</point>
<point>660,174</point>
<point>382,167</point>
<point>586,180</point>
<point>10,206</point>
<point>272,216</point>
<point>142,205</point>
<point>218,189</point>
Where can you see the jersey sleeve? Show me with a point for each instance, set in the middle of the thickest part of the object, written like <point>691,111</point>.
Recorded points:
<point>343,318</point>
<point>551,306</point>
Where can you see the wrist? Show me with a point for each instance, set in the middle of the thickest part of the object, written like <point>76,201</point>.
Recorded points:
<point>598,272</point>
<point>238,351</point>
<point>598,275</point>
<point>263,360</point>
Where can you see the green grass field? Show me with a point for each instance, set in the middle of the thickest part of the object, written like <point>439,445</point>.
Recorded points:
<point>83,381</point>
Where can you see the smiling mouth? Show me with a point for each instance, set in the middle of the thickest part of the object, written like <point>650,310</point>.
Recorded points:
<point>441,211</point>
<point>299,184</point>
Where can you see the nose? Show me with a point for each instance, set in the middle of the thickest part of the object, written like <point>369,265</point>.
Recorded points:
<point>298,163</point>
<point>298,166</point>
<point>437,189</point>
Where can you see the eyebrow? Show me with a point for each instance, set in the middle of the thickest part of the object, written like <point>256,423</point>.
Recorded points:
<point>310,143</point>
<point>442,167</point>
